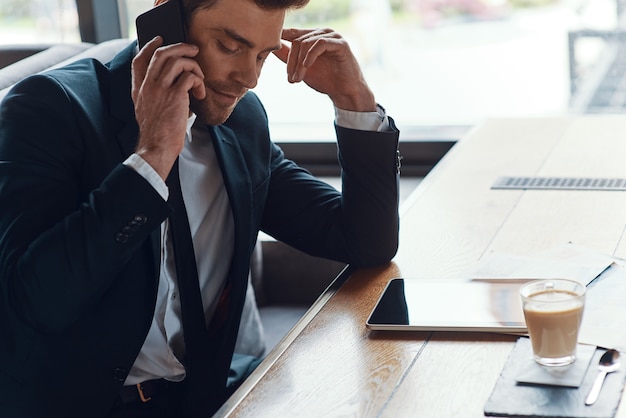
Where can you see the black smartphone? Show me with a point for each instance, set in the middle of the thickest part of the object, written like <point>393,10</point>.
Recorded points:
<point>166,20</point>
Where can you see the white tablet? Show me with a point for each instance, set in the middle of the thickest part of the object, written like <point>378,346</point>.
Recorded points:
<point>448,305</point>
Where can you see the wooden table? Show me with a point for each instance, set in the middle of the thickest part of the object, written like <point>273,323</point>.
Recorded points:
<point>331,365</point>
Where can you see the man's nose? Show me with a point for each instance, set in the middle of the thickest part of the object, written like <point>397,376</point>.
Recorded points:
<point>248,73</point>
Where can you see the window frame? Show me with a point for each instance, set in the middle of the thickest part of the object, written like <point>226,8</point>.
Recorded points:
<point>421,147</point>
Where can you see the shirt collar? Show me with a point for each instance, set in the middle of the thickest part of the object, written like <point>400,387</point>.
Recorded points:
<point>190,121</point>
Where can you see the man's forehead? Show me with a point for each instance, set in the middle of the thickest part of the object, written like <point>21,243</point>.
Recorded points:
<point>244,22</point>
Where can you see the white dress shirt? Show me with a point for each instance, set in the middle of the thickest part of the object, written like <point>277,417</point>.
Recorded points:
<point>212,230</point>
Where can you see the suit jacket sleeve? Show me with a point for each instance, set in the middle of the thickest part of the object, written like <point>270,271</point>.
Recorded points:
<point>72,215</point>
<point>358,226</point>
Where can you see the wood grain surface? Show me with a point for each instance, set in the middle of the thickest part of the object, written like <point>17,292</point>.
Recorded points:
<point>331,365</point>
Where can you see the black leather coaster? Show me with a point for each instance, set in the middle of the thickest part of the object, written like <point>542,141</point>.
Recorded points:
<point>512,399</point>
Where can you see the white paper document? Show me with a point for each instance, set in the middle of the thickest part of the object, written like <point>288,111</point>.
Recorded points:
<point>568,262</point>
<point>604,317</point>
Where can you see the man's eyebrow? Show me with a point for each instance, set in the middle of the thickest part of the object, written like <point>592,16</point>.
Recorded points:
<point>238,38</point>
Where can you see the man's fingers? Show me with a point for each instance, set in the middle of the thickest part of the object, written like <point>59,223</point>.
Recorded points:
<point>291,34</point>
<point>318,48</point>
<point>297,52</point>
<point>307,46</point>
<point>175,67</point>
<point>163,65</point>
<point>290,57</point>
<point>162,57</point>
<point>151,46</point>
<point>191,83</point>
<point>294,61</point>
<point>141,62</point>
<point>142,59</point>
<point>283,52</point>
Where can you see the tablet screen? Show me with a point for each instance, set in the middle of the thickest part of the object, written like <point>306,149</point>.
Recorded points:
<point>448,305</point>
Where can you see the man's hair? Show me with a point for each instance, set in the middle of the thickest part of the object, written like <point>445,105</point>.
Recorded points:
<point>191,6</point>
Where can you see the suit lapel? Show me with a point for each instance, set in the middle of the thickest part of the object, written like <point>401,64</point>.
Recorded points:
<point>122,108</point>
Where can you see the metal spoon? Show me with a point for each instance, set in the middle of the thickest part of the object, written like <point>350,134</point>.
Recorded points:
<point>609,362</point>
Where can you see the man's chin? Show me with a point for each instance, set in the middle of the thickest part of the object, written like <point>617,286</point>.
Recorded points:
<point>211,115</point>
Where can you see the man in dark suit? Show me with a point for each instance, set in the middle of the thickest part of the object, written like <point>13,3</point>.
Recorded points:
<point>91,322</point>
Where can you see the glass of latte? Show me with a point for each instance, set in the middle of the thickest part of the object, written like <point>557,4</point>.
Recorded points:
<point>553,310</point>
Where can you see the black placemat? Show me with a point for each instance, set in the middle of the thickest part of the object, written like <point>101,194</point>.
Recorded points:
<point>512,399</point>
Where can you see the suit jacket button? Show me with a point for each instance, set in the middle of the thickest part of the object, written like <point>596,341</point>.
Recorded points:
<point>119,374</point>
<point>121,238</point>
<point>141,219</point>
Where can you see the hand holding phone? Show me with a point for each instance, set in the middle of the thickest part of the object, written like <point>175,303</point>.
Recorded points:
<point>165,20</point>
<point>162,100</point>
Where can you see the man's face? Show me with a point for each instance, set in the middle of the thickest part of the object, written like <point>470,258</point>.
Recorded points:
<point>235,37</point>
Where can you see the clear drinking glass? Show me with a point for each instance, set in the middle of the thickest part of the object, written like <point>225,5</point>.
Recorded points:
<point>553,310</point>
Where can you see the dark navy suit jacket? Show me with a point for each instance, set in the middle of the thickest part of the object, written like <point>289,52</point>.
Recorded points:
<point>79,231</point>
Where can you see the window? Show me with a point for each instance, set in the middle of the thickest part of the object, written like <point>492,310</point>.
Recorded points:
<point>457,62</point>
<point>134,8</point>
<point>432,63</point>
<point>38,21</point>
